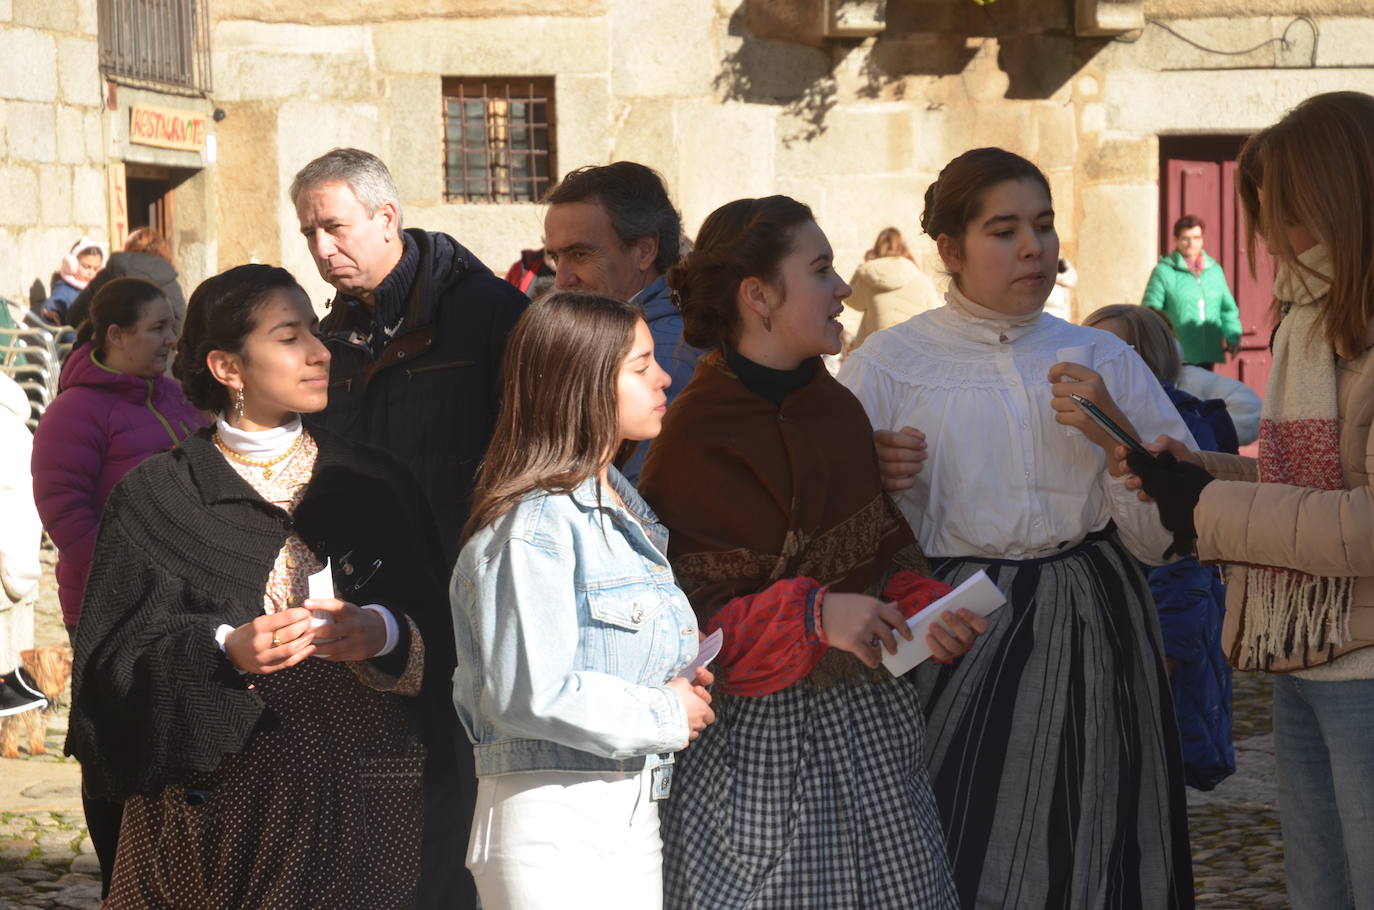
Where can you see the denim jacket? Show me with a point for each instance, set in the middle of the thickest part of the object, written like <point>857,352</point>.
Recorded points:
<point>569,625</point>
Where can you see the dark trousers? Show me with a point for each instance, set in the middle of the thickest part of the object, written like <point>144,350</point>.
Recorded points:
<point>450,795</point>
<point>103,819</point>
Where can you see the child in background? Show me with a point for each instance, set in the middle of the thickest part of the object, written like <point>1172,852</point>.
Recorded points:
<point>79,266</point>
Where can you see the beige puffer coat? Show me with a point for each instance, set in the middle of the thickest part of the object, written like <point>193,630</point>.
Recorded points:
<point>888,291</point>
<point>1240,521</point>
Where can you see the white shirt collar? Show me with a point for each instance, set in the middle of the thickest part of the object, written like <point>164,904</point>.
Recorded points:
<point>260,443</point>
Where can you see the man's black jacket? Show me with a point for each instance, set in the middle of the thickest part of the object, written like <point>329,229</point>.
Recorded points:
<point>431,393</point>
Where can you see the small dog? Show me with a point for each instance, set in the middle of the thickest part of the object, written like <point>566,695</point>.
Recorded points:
<point>50,669</point>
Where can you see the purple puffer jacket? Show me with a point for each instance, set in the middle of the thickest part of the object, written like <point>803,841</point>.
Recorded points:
<point>100,425</point>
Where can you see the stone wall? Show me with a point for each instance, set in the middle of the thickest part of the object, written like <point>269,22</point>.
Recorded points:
<point>856,128</point>
<point>52,141</point>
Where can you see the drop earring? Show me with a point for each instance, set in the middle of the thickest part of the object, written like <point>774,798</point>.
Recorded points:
<point>238,404</point>
<point>768,323</point>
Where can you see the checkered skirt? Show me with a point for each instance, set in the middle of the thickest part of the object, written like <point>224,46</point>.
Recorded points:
<point>814,797</point>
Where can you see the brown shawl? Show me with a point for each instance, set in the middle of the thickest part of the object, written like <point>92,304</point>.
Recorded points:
<point>752,493</point>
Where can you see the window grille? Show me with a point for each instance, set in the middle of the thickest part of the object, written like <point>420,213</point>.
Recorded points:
<point>498,139</point>
<point>163,42</point>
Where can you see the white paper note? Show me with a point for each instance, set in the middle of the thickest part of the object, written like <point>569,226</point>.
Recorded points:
<point>977,595</point>
<point>1081,354</point>
<point>320,586</point>
<point>710,647</point>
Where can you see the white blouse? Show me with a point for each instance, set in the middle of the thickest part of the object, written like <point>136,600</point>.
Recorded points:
<point>1002,479</point>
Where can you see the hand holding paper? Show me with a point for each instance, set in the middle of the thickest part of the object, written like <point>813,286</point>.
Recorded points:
<point>320,586</point>
<point>977,594</point>
<point>710,647</point>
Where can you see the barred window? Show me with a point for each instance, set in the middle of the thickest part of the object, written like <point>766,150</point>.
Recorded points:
<point>498,139</point>
<point>162,42</point>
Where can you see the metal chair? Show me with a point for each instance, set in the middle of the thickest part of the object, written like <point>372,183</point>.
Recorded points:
<point>29,355</point>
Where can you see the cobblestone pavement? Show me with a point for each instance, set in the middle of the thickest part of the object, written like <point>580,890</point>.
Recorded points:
<point>46,859</point>
<point>1237,846</point>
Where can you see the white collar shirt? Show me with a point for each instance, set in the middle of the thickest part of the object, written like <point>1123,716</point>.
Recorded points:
<point>1002,479</point>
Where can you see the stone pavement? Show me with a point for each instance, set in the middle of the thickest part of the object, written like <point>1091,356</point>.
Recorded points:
<point>1237,846</point>
<point>46,860</point>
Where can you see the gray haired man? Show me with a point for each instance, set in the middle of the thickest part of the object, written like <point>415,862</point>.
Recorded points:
<point>416,334</point>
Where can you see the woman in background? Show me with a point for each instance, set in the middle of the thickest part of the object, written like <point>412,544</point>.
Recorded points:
<point>888,288</point>
<point>114,408</point>
<point>79,266</point>
<point>146,255</point>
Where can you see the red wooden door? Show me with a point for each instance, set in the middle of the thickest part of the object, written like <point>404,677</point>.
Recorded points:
<point>1197,177</point>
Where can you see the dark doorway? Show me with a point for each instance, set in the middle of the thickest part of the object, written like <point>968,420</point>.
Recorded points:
<point>1197,177</point>
<point>152,197</point>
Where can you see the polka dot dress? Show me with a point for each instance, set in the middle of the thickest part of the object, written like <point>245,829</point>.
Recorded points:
<point>322,810</point>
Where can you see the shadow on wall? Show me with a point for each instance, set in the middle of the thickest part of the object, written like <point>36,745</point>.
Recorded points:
<point>774,61</point>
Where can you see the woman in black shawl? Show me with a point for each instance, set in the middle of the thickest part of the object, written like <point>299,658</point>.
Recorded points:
<point>259,716</point>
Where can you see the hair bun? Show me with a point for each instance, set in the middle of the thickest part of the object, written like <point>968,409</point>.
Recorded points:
<point>929,205</point>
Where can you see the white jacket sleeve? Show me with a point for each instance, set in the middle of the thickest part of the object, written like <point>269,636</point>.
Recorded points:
<point>21,532</point>
<point>1242,404</point>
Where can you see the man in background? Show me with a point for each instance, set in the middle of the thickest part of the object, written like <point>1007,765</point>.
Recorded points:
<point>613,230</point>
<point>1189,287</point>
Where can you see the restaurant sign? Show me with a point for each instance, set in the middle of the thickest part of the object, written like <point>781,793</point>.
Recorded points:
<point>168,128</point>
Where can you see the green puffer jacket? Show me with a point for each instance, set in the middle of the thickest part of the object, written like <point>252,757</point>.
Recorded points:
<point>1203,330</point>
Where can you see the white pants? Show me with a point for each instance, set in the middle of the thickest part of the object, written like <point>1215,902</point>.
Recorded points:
<point>567,840</point>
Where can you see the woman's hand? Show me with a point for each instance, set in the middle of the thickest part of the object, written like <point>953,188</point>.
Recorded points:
<point>696,700</point>
<point>1075,379</point>
<point>900,454</point>
<point>355,634</point>
<point>1176,486</point>
<point>1178,449</point>
<point>271,642</point>
<point>953,636</point>
<point>862,625</point>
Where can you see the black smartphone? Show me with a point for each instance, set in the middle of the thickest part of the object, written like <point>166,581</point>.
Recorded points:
<point>1106,423</point>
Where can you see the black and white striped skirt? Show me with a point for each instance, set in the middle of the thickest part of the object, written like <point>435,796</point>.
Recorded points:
<point>1052,744</point>
<point>814,797</point>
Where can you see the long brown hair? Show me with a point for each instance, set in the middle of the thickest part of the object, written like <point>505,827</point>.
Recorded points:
<point>1315,168</point>
<point>559,423</point>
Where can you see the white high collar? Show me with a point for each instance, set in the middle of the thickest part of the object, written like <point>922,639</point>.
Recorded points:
<point>260,443</point>
<point>961,303</point>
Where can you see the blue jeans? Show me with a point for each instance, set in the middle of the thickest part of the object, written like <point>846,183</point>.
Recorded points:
<point>1324,746</point>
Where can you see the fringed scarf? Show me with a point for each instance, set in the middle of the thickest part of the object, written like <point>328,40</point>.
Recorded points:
<point>1291,613</point>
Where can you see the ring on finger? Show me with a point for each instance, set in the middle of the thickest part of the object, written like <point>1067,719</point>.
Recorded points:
<point>875,642</point>
<point>276,640</point>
